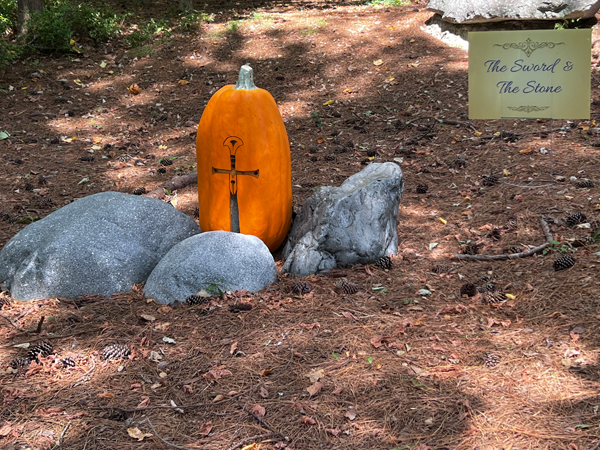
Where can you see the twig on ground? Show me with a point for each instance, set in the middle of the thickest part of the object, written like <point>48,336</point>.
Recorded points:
<point>85,377</point>
<point>161,438</point>
<point>62,435</point>
<point>12,322</point>
<point>38,330</point>
<point>596,446</point>
<point>504,256</point>
<point>252,438</point>
<point>265,424</point>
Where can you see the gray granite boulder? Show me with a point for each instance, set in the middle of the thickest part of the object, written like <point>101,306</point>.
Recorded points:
<point>101,244</point>
<point>232,261</point>
<point>355,223</point>
<point>477,11</point>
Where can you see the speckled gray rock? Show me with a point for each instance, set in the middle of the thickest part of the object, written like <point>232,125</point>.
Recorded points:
<point>474,11</point>
<point>232,261</point>
<point>101,244</point>
<point>355,223</point>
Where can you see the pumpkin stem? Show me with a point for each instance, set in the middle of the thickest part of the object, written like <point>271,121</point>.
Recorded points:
<point>246,79</point>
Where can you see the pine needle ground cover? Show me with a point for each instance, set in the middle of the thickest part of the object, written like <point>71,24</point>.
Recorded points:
<point>385,356</point>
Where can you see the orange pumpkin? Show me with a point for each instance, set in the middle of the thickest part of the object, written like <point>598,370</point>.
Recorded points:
<point>244,163</point>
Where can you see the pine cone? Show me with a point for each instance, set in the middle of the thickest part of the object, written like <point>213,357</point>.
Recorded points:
<point>19,362</point>
<point>67,362</point>
<point>300,287</point>
<point>489,180</point>
<point>125,157</point>
<point>584,184</point>
<point>564,262</point>
<point>4,301</point>
<point>384,263</point>
<point>41,349</point>
<point>194,300</point>
<point>468,289</point>
<point>422,188</point>
<point>442,269</point>
<point>197,211</point>
<point>491,360</point>
<point>575,218</point>
<point>490,287</point>
<point>493,296</point>
<point>42,180</point>
<point>513,250</point>
<point>495,234</point>
<point>139,191</point>
<point>371,153</point>
<point>115,351</point>
<point>45,203</point>
<point>460,162</point>
<point>471,249</point>
<point>346,287</point>
<point>329,158</point>
<point>29,187</point>
<point>87,158</point>
<point>162,170</point>
<point>511,224</point>
<point>165,162</point>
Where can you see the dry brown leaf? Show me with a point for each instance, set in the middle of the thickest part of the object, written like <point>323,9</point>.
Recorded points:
<point>314,389</point>
<point>351,415</point>
<point>308,420</point>
<point>6,429</point>
<point>137,434</point>
<point>145,402</point>
<point>316,375</point>
<point>258,410</point>
<point>338,390</point>
<point>106,395</point>
<point>334,431</point>
<point>205,428</point>
<point>233,347</point>
<point>376,341</point>
<point>310,326</point>
<point>263,392</point>
<point>183,82</point>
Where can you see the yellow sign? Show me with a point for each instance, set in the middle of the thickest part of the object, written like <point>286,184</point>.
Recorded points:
<point>530,74</point>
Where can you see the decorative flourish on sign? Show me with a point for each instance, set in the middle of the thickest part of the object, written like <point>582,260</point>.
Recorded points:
<point>528,46</point>
<point>528,108</point>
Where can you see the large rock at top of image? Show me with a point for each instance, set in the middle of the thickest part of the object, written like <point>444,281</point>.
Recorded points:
<point>101,244</point>
<point>355,223</point>
<point>230,261</point>
<point>478,11</point>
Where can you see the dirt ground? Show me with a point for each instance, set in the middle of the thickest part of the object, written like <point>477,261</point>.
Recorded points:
<point>404,363</point>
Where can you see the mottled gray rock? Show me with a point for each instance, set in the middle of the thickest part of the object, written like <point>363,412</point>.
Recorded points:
<point>355,223</point>
<point>232,261</point>
<point>101,244</point>
<point>475,11</point>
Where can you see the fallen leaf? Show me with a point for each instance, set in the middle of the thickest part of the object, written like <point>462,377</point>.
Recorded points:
<point>165,310</point>
<point>145,402</point>
<point>263,392</point>
<point>183,82</point>
<point>525,151</point>
<point>443,221</point>
<point>233,347</point>
<point>307,420</point>
<point>351,415</point>
<point>137,434</point>
<point>148,317</point>
<point>258,410</point>
<point>314,389</point>
<point>334,431</point>
<point>218,398</point>
<point>328,102</point>
<point>378,62</point>
<point>574,336</point>
<point>106,395</point>
<point>316,375</point>
<point>376,341</point>
<point>310,326</point>
<point>338,390</point>
<point>6,429</point>
<point>205,428</point>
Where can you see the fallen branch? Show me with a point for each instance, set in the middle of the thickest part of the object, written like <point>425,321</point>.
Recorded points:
<point>178,182</point>
<point>161,438</point>
<point>504,256</point>
<point>252,438</point>
<point>12,322</point>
